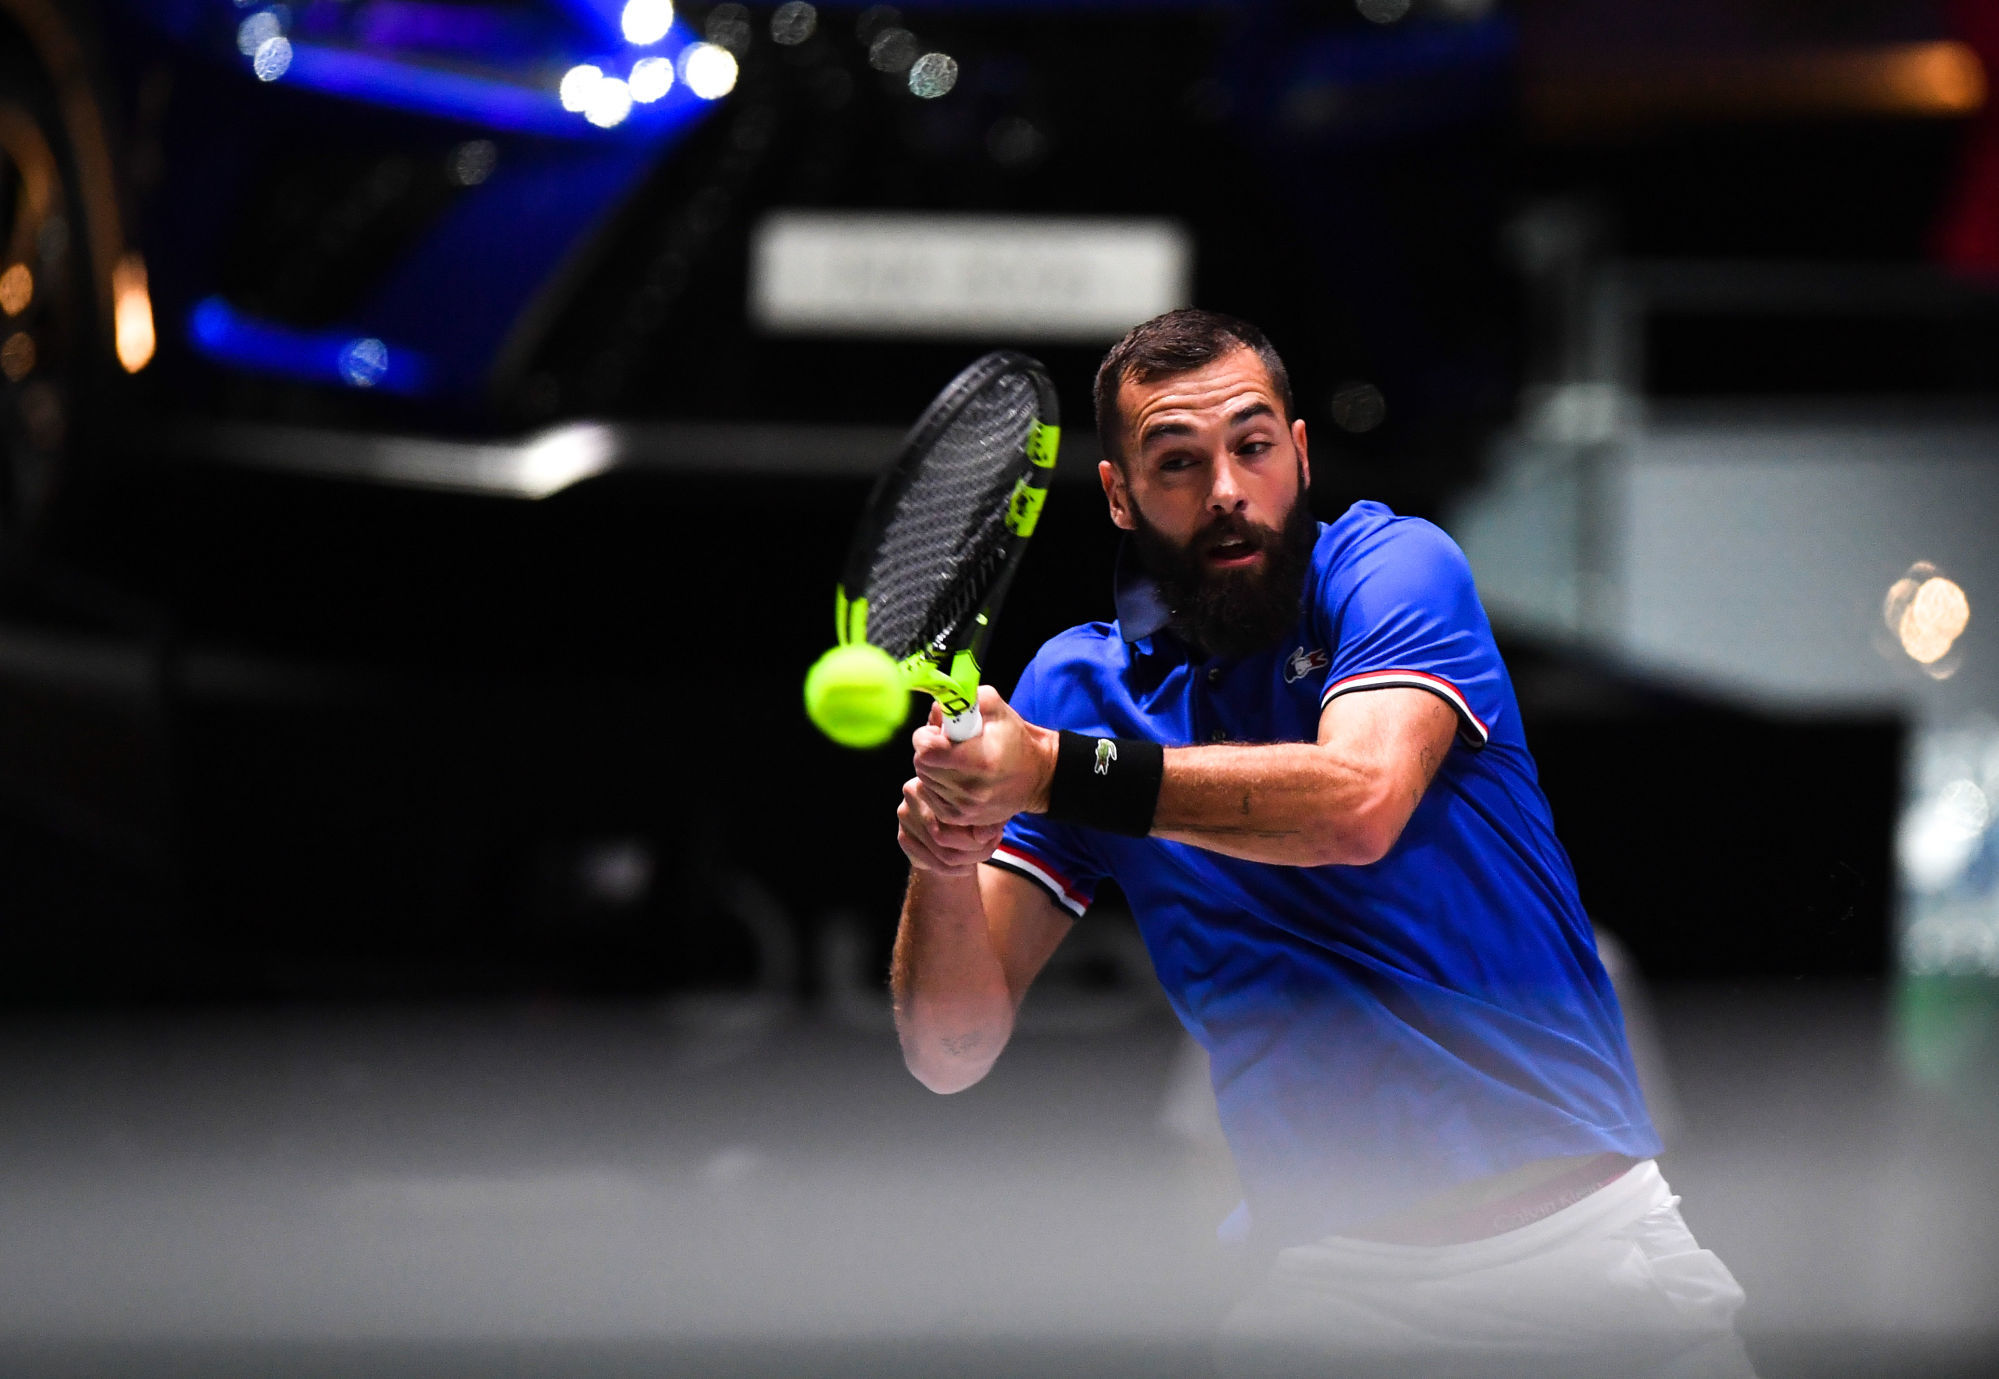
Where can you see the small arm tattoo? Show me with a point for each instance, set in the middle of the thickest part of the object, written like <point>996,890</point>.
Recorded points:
<point>958,1045</point>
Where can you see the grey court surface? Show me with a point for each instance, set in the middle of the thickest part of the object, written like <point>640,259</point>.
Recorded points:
<point>727,1187</point>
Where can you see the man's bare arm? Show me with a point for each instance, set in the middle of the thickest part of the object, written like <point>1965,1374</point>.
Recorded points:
<point>971,940</point>
<point>1343,799</point>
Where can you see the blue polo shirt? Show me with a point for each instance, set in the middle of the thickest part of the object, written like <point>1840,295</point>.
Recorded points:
<point>1376,1033</point>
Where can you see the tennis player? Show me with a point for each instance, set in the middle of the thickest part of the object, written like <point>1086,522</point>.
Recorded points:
<point>1298,754</point>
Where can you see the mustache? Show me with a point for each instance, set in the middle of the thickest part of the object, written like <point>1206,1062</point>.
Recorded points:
<point>1233,526</point>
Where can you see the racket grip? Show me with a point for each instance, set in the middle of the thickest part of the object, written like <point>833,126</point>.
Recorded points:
<point>965,726</point>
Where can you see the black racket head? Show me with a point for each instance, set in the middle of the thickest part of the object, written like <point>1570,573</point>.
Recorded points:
<point>935,545</point>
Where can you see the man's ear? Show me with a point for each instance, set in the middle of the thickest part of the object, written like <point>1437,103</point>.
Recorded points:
<point>1304,458</point>
<point>1116,494</point>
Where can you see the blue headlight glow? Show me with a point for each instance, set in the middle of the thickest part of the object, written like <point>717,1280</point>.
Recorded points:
<point>225,335</point>
<point>389,55</point>
<point>431,91</point>
<point>531,179</point>
<point>488,101</point>
<point>273,59</point>
<point>364,362</point>
<point>605,18</point>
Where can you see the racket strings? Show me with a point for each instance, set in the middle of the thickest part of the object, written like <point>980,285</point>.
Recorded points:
<point>947,537</point>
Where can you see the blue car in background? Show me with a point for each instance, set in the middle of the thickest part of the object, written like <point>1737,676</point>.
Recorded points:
<point>505,245</point>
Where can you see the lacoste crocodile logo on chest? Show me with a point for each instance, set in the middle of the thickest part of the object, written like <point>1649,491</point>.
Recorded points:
<point>1301,663</point>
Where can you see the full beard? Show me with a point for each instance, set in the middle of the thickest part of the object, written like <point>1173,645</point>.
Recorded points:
<point>1232,613</point>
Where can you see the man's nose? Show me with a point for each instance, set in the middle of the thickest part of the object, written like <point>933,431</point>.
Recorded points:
<point>1225,492</point>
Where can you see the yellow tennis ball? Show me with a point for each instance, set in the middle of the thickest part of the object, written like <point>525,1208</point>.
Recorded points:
<point>855,695</point>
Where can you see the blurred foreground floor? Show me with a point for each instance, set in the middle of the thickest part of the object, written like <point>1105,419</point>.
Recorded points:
<point>737,1189</point>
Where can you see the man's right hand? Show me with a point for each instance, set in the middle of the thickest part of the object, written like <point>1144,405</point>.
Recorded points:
<point>938,847</point>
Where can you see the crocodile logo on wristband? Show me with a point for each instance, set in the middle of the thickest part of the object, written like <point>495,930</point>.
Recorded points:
<point>1084,790</point>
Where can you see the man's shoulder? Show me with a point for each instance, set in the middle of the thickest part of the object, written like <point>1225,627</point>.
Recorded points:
<point>1370,536</point>
<point>1078,662</point>
<point>1085,645</point>
<point>1369,527</point>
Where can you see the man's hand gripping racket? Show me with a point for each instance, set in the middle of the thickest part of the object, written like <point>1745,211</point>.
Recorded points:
<point>936,547</point>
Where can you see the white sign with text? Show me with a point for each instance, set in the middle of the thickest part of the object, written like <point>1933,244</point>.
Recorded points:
<point>1031,277</point>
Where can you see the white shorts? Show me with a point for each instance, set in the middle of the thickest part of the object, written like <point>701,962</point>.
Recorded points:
<point>1612,1285</point>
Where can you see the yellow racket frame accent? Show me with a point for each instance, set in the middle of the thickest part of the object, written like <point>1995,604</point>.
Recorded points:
<point>956,688</point>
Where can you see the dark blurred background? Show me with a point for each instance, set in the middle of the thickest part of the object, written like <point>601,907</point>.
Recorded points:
<point>432,428</point>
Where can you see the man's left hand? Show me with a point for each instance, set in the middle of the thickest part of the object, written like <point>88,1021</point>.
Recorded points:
<point>1002,772</point>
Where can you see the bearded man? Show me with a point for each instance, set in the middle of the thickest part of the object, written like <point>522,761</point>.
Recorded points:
<point>1298,754</point>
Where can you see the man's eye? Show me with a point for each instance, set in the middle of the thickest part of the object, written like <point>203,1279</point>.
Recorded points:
<point>1253,447</point>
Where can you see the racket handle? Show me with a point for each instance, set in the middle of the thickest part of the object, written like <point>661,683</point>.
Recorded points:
<point>965,726</point>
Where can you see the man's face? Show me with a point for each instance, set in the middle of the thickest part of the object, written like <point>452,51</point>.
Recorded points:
<point>1212,489</point>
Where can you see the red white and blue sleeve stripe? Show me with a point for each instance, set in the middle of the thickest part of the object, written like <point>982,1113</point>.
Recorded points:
<point>1470,726</point>
<point>1064,892</point>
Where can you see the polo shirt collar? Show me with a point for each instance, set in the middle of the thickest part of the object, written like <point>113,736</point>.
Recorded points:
<point>1141,608</point>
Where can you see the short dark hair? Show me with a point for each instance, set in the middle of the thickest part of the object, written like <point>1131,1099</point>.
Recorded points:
<point>1178,342</point>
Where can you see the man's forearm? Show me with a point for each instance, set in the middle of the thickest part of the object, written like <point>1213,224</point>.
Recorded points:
<point>1291,803</point>
<point>953,1011</point>
<point>1343,799</point>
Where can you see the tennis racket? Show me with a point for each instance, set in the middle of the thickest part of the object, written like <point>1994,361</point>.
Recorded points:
<point>945,529</point>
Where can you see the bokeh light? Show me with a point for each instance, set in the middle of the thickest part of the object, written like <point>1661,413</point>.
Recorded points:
<point>794,22</point>
<point>1358,407</point>
<point>17,289</point>
<point>1941,835</point>
<point>1946,78</point>
<point>132,313</point>
<point>577,83</point>
<point>933,75</point>
<point>892,51</point>
<point>1382,11</point>
<point>1927,612</point>
<point>872,20</point>
<point>610,101</point>
<point>1947,851</point>
<point>728,27</point>
<point>257,30</point>
<point>363,362</point>
<point>1937,616</point>
<point>1965,806</point>
<point>17,356</point>
<point>652,77</point>
<point>273,60</point>
<point>646,21</point>
<point>709,71</point>
<point>473,161</point>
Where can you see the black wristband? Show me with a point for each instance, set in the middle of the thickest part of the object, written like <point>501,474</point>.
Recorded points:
<point>1111,783</point>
